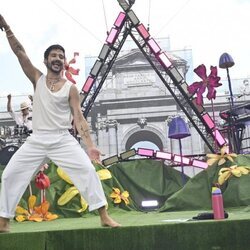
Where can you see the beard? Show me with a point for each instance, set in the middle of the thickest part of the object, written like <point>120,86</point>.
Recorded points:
<point>55,66</point>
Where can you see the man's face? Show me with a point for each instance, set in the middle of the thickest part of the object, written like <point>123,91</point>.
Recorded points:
<point>25,111</point>
<point>55,61</point>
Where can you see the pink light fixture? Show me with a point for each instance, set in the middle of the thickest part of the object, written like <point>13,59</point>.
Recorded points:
<point>199,164</point>
<point>163,155</point>
<point>143,31</point>
<point>145,152</point>
<point>154,47</point>
<point>113,34</point>
<point>120,20</point>
<point>164,60</point>
<point>219,138</point>
<point>88,84</point>
<point>208,120</point>
<point>182,159</point>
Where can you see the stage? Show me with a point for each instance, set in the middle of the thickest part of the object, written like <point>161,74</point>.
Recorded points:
<point>153,230</point>
<point>169,227</point>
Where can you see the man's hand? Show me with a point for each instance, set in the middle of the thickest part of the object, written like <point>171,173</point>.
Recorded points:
<point>3,24</point>
<point>94,155</point>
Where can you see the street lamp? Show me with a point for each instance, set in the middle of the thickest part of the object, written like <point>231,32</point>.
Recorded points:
<point>226,62</point>
<point>178,129</point>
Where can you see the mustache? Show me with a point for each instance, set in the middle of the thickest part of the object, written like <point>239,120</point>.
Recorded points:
<point>57,62</point>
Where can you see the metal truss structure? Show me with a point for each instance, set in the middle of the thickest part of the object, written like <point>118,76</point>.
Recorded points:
<point>128,24</point>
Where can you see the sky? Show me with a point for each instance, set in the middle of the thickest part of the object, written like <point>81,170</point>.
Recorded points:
<point>208,27</point>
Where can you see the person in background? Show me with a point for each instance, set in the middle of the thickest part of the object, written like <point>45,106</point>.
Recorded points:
<point>22,118</point>
<point>55,101</point>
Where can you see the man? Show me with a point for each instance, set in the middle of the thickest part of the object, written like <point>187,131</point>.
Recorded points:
<point>22,118</point>
<point>55,100</point>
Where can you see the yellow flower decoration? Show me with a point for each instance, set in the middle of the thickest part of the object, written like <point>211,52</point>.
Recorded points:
<point>237,171</point>
<point>68,195</point>
<point>71,192</point>
<point>104,174</point>
<point>118,196</point>
<point>63,175</point>
<point>38,214</point>
<point>221,158</point>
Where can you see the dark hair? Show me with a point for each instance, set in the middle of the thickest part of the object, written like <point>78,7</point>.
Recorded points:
<point>52,47</point>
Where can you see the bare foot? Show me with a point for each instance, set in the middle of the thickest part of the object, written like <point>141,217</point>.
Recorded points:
<point>109,222</point>
<point>4,225</point>
<point>106,220</point>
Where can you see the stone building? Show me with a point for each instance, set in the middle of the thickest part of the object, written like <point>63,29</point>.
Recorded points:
<point>134,107</point>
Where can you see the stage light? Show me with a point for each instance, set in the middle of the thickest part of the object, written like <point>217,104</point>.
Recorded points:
<point>200,108</point>
<point>181,159</point>
<point>112,36</point>
<point>143,31</point>
<point>199,164</point>
<point>131,2</point>
<point>128,154</point>
<point>219,138</point>
<point>163,155</point>
<point>88,84</point>
<point>111,160</point>
<point>133,18</point>
<point>96,68</point>
<point>120,20</point>
<point>208,120</point>
<point>104,52</point>
<point>154,47</point>
<point>149,205</point>
<point>176,74</point>
<point>124,4</point>
<point>184,86</point>
<point>145,152</point>
<point>164,60</point>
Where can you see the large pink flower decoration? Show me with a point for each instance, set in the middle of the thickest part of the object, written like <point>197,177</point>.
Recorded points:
<point>210,82</point>
<point>42,181</point>
<point>69,71</point>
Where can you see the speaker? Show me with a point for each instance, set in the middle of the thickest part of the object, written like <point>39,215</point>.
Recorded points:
<point>6,153</point>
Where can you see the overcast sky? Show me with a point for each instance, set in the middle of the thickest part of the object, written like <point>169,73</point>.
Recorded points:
<point>209,28</point>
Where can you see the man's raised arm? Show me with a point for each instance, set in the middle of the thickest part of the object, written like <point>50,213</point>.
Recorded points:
<point>30,71</point>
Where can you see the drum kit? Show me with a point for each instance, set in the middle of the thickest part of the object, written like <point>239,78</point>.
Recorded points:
<point>10,141</point>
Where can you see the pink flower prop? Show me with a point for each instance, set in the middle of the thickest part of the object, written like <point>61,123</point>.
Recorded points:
<point>208,82</point>
<point>69,71</point>
<point>42,181</point>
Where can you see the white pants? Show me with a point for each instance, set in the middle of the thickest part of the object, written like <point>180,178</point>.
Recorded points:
<point>64,150</point>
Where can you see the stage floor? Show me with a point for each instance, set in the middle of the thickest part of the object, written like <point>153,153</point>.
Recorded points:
<point>152,230</point>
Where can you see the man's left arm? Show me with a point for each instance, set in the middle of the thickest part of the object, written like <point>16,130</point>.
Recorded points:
<point>81,124</point>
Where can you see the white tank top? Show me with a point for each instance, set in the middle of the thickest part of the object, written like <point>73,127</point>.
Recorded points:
<point>51,110</point>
